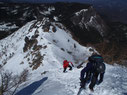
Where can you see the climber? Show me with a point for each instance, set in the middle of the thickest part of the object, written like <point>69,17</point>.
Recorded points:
<point>67,64</point>
<point>94,68</point>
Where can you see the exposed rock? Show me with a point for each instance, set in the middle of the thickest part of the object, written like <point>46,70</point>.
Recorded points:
<point>29,43</point>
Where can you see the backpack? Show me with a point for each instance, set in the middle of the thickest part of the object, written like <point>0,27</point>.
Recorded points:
<point>99,67</point>
<point>98,63</point>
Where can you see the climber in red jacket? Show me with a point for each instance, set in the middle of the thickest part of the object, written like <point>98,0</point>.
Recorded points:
<point>67,64</point>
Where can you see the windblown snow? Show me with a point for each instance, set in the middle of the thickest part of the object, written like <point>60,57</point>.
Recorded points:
<point>41,47</point>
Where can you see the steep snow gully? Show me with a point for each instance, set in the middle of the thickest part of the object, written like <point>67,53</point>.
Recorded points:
<point>53,43</point>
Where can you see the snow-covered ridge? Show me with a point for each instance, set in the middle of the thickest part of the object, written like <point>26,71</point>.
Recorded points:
<point>39,41</point>
<point>41,46</point>
<point>83,10</point>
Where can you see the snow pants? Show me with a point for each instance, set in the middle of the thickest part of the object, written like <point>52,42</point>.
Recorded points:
<point>94,79</point>
<point>70,68</point>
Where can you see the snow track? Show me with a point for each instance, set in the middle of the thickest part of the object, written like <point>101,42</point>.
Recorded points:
<point>60,83</point>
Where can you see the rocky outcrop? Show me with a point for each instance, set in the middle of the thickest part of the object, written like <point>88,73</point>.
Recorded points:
<point>86,18</point>
<point>82,20</point>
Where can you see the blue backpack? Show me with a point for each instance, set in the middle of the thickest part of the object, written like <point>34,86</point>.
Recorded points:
<point>98,63</point>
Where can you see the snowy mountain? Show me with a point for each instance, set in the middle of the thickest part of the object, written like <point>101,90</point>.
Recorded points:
<point>42,42</point>
<point>40,47</point>
<point>86,23</point>
<point>89,18</point>
<point>111,10</point>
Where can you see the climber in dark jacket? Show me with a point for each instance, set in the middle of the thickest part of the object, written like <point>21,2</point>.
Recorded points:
<point>92,71</point>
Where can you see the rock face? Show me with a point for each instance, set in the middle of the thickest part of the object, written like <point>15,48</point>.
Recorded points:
<point>86,18</point>
<point>81,19</point>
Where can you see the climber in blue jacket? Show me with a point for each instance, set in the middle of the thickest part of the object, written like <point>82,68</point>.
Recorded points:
<point>93,69</point>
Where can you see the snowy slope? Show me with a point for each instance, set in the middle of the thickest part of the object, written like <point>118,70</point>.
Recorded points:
<point>55,82</point>
<point>53,46</point>
<point>41,48</point>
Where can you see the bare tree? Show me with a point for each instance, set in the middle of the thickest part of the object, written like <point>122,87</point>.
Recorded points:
<point>10,82</point>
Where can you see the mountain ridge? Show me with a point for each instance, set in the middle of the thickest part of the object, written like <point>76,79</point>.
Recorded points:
<point>64,12</point>
<point>27,41</point>
<point>41,46</point>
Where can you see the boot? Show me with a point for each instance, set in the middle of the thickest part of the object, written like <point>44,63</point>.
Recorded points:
<point>91,89</point>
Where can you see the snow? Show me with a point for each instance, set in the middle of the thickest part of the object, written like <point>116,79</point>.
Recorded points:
<point>55,18</point>
<point>94,20</point>
<point>25,14</point>
<point>47,12</point>
<point>91,19</point>
<point>60,46</point>
<point>7,27</point>
<point>83,10</point>
<point>14,11</point>
<point>59,83</point>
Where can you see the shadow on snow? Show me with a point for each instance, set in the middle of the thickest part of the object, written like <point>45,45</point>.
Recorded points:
<point>31,88</point>
<point>124,93</point>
